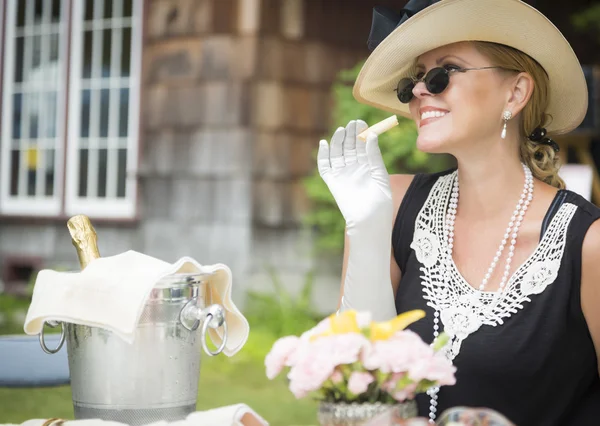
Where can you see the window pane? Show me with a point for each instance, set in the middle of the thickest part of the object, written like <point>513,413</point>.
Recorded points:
<point>126,52</point>
<point>54,48</point>
<point>49,170</point>
<point>19,45</point>
<point>14,171</point>
<point>49,110</point>
<point>86,72</point>
<point>122,168</point>
<point>127,8</point>
<point>20,14</point>
<point>89,10</point>
<point>16,123</point>
<point>37,15</point>
<point>31,162</point>
<point>55,11</point>
<point>106,49</point>
<point>108,9</point>
<point>102,167</point>
<point>33,120</point>
<point>37,51</point>
<point>123,112</point>
<point>85,114</point>
<point>104,96</point>
<point>83,172</point>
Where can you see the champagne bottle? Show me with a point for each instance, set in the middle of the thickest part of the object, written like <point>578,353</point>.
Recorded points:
<point>84,238</point>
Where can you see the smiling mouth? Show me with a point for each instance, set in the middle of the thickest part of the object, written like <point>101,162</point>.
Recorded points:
<point>430,116</point>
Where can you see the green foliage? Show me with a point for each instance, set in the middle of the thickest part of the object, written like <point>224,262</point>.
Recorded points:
<point>280,312</point>
<point>588,20</point>
<point>12,313</point>
<point>398,150</point>
<point>13,308</point>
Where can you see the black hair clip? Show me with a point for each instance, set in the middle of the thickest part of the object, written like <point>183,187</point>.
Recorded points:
<point>539,136</point>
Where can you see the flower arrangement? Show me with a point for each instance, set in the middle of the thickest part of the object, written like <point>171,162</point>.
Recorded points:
<point>348,358</point>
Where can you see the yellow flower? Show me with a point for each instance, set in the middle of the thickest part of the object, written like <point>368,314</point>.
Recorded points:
<point>384,330</point>
<point>344,322</point>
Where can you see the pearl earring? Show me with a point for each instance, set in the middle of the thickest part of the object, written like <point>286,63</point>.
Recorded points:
<point>506,116</point>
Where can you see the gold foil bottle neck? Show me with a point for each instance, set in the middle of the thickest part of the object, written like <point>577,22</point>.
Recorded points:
<point>84,238</point>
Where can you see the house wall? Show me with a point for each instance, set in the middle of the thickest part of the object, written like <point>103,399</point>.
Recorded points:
<point>195,172</point>
<point>234,106</point>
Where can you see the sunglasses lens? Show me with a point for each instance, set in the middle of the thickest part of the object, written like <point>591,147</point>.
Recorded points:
<point>437,80</point>
<point>404,90</point>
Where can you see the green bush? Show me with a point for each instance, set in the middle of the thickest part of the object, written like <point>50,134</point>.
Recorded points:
<point>278,311</point>
<point>588,20</point>
<point>398,150</point>
<point>12,313</point>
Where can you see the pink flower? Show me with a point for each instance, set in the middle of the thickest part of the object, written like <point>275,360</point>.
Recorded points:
<point>359,382</point>
<point>397,354</point>
<point>280,354</point>
<point>314,361</point>
<point>309,373</point>
<point>436,368</point>
<point>402,393</point>
<point>321,327</point>
<point>315,358</point>
<point>337,377</point>
<point>407,393</point>
<point>343,348</point>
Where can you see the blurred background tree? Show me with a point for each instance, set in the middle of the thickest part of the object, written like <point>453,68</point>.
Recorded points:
<point>399,154</point>
<point>588,20</point>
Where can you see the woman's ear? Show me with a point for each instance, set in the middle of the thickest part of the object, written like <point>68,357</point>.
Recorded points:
<point>521,88</point>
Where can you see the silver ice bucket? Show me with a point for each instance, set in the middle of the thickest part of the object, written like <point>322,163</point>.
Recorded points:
<point>156,377</point>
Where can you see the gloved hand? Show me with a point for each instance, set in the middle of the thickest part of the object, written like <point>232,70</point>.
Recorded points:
<point>358,180</point>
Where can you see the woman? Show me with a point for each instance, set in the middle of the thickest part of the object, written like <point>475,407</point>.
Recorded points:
<point>497,252</point>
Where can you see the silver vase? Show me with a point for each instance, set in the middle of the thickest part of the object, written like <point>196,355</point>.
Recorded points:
<point>357,414</point>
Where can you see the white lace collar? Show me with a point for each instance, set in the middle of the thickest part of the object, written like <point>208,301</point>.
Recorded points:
<point>462,308</point>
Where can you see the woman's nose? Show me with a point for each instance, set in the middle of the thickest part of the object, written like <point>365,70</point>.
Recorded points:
<point>420,90</point>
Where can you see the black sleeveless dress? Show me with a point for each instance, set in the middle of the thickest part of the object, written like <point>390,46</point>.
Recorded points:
<point>539,366</point>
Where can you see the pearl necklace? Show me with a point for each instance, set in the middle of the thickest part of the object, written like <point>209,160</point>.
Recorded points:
<point>511,232</point>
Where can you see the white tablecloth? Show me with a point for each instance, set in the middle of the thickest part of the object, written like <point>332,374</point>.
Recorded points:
<point>231,415</point>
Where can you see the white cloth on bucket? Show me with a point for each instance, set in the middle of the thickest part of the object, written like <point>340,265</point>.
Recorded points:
<point>111,292</point>
<point>230,415</point>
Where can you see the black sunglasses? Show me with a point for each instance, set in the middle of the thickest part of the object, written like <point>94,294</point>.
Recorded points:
<point>436,81</point>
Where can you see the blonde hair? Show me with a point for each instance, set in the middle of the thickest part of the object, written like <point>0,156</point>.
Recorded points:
<point>541,159</point>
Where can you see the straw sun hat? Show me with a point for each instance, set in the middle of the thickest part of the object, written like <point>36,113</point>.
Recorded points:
<point>398,39</point>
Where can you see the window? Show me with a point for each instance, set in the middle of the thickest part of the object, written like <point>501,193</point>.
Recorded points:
<point>70,107</point>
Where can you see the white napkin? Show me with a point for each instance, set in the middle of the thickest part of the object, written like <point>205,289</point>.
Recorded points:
<point>230,415</point>
<point>124,282</point>
<point>234,415</point>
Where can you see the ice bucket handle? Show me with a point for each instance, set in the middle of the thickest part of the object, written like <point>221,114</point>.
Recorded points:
<point>212,316</point>
<point>45,348</point>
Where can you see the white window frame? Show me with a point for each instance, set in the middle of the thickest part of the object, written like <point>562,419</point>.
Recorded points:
<point>103,207</point>
<point>10,205</point>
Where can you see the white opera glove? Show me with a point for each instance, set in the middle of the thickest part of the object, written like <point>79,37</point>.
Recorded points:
<point>358,180</point>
